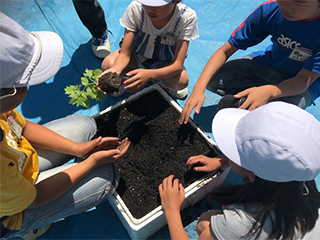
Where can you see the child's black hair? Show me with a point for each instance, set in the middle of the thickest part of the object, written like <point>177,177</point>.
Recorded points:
<point>294,212</point>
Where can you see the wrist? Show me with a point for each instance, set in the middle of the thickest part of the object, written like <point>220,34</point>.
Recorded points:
<point>74,149</point>
<point>172,213</point>
<point>274,91</point>
<point>224,161</point>
<point>152,73</point>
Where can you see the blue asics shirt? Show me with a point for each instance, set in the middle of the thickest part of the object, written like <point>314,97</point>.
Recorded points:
<point>295,44</point>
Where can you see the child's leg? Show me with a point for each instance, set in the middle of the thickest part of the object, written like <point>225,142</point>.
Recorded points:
<point>175,86</point>
<point>110,59</point>
<point>204,220</point>
<point>239,74</point>
<point>78,128</point>
<point>179,81</point>
<point>93,189</point>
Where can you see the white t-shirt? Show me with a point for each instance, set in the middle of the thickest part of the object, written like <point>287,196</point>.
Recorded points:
<point>182,25</point>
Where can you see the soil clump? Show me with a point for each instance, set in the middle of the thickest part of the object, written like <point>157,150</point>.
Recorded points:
<point>159,147</point>
<point>109,82</point>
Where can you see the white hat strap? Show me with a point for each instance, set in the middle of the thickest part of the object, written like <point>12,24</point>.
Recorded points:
<point>35,60</point>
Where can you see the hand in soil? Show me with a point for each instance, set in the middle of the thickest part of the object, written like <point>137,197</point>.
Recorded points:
<point>109,82</point>
<point>171,193</point>
<point>201,163</point>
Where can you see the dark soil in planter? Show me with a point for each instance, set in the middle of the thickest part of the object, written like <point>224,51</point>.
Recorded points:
<point>109,82</point>
<point>159,147</point>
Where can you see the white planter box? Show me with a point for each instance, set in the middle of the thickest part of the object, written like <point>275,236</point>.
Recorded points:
<point>153,221</point>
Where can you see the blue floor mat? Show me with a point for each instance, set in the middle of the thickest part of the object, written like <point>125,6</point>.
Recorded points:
<point>46,102</point>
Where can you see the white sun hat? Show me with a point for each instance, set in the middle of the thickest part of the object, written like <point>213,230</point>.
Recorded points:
<point>154,3</point>
<point>278,142</point>
<point>27,58</point>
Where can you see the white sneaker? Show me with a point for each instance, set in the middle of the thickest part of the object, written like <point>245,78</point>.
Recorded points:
<point>101,46</point>
<point>175,93</point>
<point>35,233</point>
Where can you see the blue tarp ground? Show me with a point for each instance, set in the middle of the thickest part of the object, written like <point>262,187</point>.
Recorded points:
<point>45,102</point>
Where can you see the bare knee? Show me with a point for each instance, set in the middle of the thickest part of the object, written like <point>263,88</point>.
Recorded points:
<point>109,60</point>
<point>204,220</point>
<point>179,81</point>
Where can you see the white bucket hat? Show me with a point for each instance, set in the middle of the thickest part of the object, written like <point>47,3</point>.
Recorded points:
<point>154,3</point>
<point>278,142</point>
<point>27,58</point>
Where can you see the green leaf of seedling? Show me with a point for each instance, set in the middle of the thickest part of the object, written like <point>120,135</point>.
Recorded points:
<point>95,74</point>
<point>69,90</point>
<point>83,102</point>
<point>79,100</point>
<point>80,93</point>
<point>99,95</point>
<point>84,81</point>
<point>91,91</point>
<point>87,73</point>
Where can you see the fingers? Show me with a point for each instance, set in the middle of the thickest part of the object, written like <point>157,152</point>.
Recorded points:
<point>241,94</point>
<point>186,111</point>
<point>124,145</point>
<point>194,160</point>
<point>201,169</point>
<point>114,153</point>
<point>185,114</point>
<point>170,183</point>
<point>167,182</point>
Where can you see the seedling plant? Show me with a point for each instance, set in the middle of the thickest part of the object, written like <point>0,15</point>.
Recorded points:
<point>81,93</point>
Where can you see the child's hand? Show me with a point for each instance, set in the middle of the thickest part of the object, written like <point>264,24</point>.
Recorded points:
<point>195,100</point>
<point>138,78</point>
<point>105,72</point>
<point>103,156</point>
<point>257,96</point>
<point>203,163</point>
<point>87,148</point>
<point>171,194</point>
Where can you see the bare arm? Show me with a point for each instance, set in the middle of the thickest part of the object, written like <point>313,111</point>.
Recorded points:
<point>43,137</point>
<point>196,98</point>
<point>259,96</point>
<point>139,77</point>
<point>58,184</point>
<point>177,65</point>
<point>123,59</point>
<point>55,186</point>
<point>40,136</point>
<point>172,195</point>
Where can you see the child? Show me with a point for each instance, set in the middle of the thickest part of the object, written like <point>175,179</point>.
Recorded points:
<point>276,148</point>
<point>287,70</point>
<point>154,46</point>
<point>36,187</point>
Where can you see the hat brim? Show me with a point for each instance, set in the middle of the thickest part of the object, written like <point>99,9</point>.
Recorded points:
<point>51,48</point>
<point>224,127</point>
<point>154,3</point>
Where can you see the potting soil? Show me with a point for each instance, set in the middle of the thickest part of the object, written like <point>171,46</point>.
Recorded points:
<point>159,147</point>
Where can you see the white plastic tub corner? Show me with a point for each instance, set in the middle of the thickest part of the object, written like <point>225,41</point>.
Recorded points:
<point>153,221</point>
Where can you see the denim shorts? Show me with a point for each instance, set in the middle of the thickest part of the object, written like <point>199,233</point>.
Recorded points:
<point>242,73</point>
